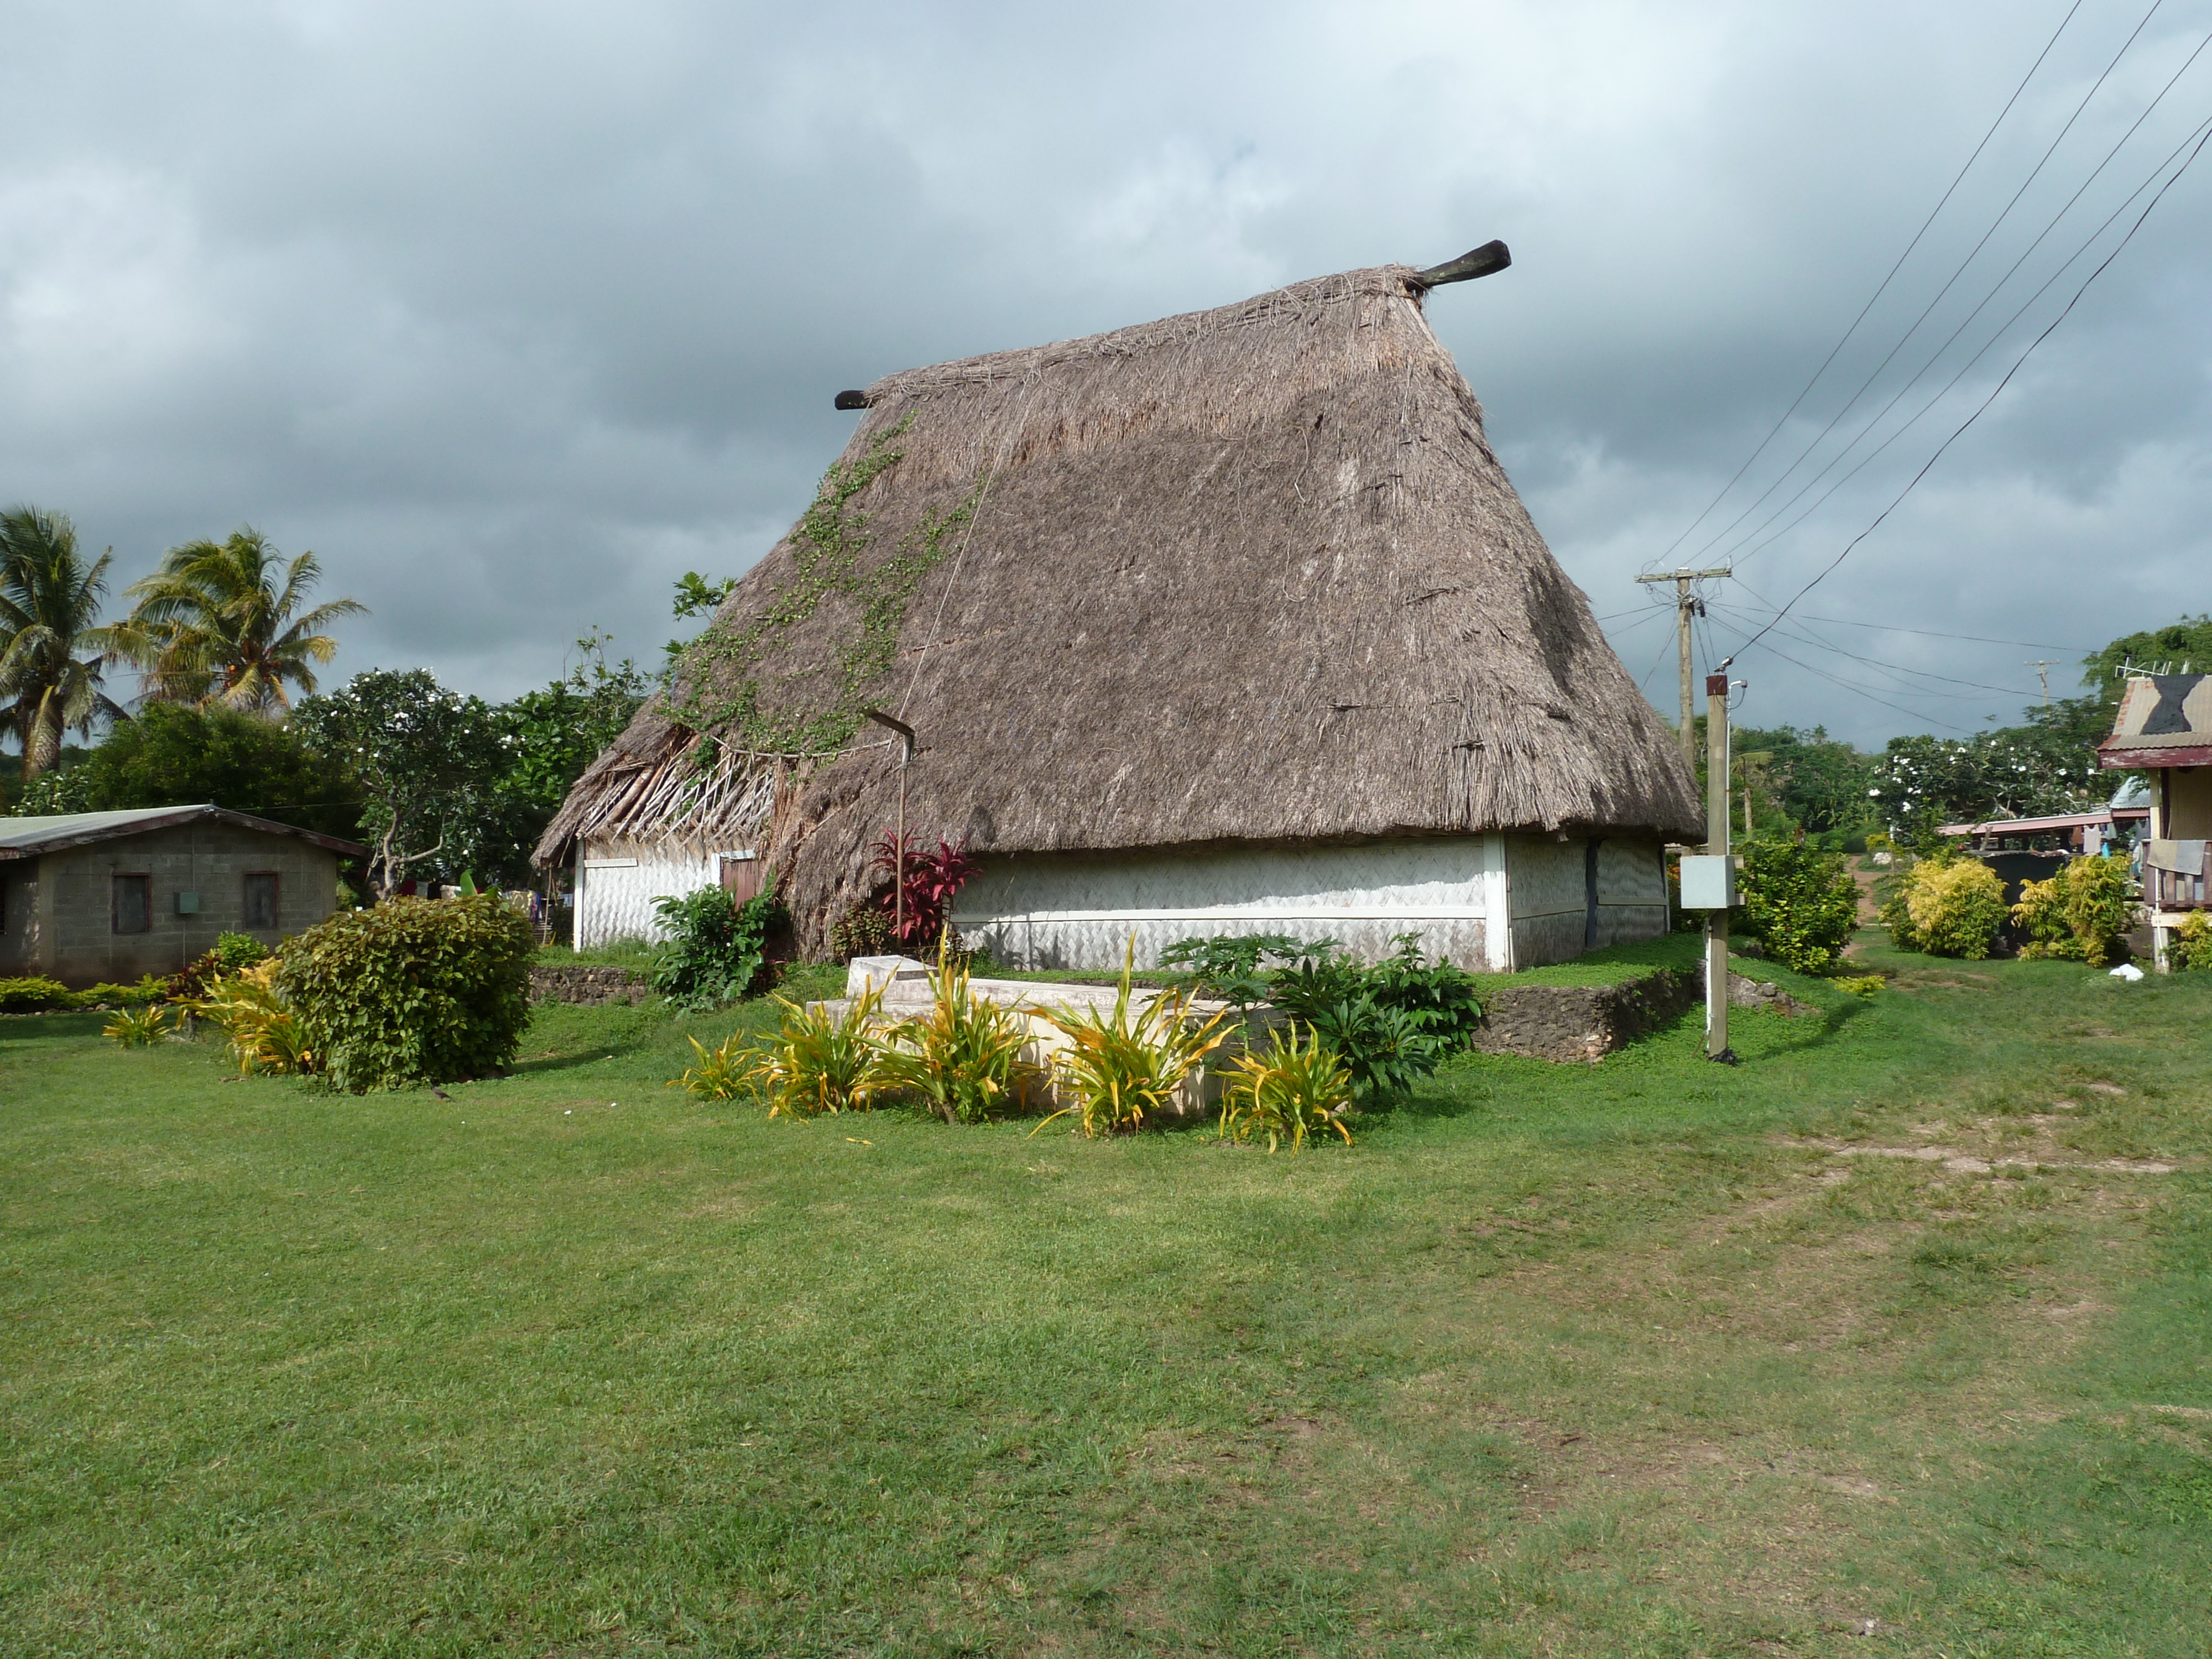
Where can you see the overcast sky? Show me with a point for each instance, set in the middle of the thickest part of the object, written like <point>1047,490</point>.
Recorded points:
<point>515,313</point>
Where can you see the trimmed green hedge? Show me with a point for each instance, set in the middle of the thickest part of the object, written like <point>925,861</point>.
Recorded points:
<point>413,991</point>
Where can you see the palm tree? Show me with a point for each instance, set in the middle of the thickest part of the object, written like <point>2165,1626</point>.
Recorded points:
<point>213,625</point>
<point>51,653</point>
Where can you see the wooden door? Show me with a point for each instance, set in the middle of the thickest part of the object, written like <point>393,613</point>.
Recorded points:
<point>741,877</point>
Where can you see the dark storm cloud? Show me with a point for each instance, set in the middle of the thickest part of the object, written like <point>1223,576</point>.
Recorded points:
<point>515,313</point>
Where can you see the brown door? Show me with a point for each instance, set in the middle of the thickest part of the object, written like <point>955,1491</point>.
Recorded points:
<point>741,878</point>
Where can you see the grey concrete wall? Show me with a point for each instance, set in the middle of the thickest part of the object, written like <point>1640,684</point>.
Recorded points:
<point>78,943</point>
<point>19,918</point>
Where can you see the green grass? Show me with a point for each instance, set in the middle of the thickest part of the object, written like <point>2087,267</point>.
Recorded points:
<point>1620,1359</point>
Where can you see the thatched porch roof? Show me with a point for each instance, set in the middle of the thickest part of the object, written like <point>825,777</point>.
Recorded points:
<point>1252,574</point>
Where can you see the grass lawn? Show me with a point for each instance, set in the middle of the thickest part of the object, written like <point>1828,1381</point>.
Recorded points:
<point>1649,1357</point>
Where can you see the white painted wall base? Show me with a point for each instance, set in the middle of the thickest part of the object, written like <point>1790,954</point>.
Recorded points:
<point>1487,903</point>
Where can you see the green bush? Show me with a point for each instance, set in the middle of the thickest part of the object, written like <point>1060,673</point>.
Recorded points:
<point>34,995</point>
<point>1897,916</point>
<point>1956,907</point>
<point>1801,904</point>
<point>716,945</point>
<point>413,991</point>
<point>239,951</point>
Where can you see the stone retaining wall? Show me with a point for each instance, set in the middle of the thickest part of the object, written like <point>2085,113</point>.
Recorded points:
<point>587,983</point>
<point>1589,1022</point>
<point>1581,1022</point>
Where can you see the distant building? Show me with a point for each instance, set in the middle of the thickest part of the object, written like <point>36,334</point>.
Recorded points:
<point>2165,727</point>
<point>88,897</point>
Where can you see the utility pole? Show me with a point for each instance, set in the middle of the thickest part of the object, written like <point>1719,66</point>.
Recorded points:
<point>1717,843</point>
<point>1686,604</point>
<point>1708,876</point>
<point>2043,672</point>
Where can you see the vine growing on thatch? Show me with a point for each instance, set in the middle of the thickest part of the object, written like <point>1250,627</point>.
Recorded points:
<point>722,667</point>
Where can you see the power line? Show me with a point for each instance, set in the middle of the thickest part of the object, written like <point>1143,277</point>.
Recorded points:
<point>2103,266</point>
<point>1966,322</point>
<point>1740,553</point>
<point>1848,685</point>
<point>1948,283</point>
<point>1927,633</point>
<point>1814,640</point>
<point>1884,286</point>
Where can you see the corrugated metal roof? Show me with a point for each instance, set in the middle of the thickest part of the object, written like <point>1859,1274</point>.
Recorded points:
<point>51,833</point>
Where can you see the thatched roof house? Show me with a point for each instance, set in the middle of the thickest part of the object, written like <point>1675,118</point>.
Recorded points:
<point>1231,618</point>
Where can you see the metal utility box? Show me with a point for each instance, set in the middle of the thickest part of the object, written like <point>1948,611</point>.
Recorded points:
<point>188,904</point>
<point>1708,881</point>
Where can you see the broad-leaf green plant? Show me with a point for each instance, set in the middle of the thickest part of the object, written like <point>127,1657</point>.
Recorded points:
<point>716,945</point>
<point>412,991</point>
<point>1800,903</point>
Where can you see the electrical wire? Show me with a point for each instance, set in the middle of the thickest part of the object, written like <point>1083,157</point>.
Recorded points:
<point>1949,282</point>
<point>1872,696</point>
<point>1882,288</point>
<point>1814,639</point>
<point>1935,356</point>
<point>1927,633</point>
<point>1979,409</point>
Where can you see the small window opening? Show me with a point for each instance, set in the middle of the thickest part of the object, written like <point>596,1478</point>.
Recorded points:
<point>134,907</point>
<point>261,900</point>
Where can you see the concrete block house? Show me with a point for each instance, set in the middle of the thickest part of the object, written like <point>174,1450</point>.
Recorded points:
<point>93,897</point>
<point>1229,623</point>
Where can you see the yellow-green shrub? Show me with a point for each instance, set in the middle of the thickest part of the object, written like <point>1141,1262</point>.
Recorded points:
<point>2080,913</point>
<point>815,1064</point>
<point>138,1028</point>
<point>2191,944</point>
<point>266,1033</point>
<point>962,1060</point>
<point>34,994</point>
<point>1955,907</point>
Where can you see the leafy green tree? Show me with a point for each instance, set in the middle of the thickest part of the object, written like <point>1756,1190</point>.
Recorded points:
<point>1820,784</point>
<point>51,648</point>
<point>172,755</point>
<point>552,734</point>
<point>2188,641</point>
<point>429,762</point>
<point>220,622</point>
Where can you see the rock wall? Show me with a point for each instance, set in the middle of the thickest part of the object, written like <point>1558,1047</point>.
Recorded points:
<point>587,983</point>
<point>1583,1021</point>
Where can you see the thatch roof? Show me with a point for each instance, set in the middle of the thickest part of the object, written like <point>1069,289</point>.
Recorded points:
<point>1252,574</point>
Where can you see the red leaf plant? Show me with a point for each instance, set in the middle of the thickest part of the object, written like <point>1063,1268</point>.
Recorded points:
<point>932,880</point>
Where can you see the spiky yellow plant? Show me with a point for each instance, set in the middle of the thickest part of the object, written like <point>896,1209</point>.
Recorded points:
<point>1120,1069</point>
<point>1286,1093</point>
